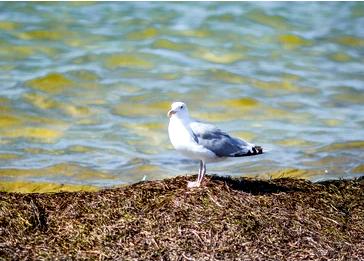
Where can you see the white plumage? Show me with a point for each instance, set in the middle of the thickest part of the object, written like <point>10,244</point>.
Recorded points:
<point>203,142</point>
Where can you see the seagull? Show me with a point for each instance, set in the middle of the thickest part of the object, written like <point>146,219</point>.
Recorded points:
<point>202,141</point>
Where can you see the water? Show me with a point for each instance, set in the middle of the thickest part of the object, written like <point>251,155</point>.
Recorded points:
<point>85,88</point>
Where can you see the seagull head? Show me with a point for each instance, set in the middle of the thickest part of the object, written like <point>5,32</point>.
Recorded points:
<point>178,109</point>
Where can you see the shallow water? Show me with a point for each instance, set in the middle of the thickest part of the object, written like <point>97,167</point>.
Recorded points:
<point>85,88</point>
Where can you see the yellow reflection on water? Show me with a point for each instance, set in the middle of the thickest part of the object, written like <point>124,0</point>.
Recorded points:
<point>51,83</point>
<point>279,114</point>
<point>291,41</point>
<point>45,102</point>
<point>350,98</point>
<point>41,35</point>
<point>358,169</point>
<point>228,109</point>
<point>76,111</point>
<point>215,117</point>
<point>8,25</point>
<point>274,21</point>
<point>45,135</point>
<point>85,75</point>
<point>167,44</point>
<point>240,103</point>
<point>43,151</point>
<point>88,121</point>
<point>39,187</point>
<point>127,60</point>
<point>350,145</point>
<point>225,58</point>
<point>200,33</point>
<point>228,77</point>
<point>222,18</point>
<point>80,149</point>
<point>22,126</point>
<point>7,121</point>
<point>63,169</point>
<point>340,57</point>
<point>286,84</point>
<point>294,173</point>
<point>295,142</point>
<point>333,163</point>
<point>128,109</point>
<point>272,85</point>
<point>147,171</point>
<point>16,52</point>
<point>332,122</point>
<point>41,101</point>
<point>147,33</point>
<point>89,41</point>
<point>350,41</point>
<point>152,137</point>
<point>32,120</point>
<point>170,76</point>
<point>8,156</point>
<point>245,135</point>
<point>4,101</point>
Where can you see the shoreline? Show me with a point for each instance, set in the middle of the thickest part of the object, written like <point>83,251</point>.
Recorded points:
<point>226,218</point>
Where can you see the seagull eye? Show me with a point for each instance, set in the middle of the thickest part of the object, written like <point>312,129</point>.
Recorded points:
<point>181,107</point>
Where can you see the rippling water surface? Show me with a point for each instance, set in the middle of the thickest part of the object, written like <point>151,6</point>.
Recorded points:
<point>85,87</point>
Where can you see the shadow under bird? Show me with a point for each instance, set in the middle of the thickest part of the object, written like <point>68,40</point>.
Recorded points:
<point>203,142</point>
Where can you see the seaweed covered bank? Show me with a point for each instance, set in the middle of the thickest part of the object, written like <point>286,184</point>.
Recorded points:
<point>241,219</point>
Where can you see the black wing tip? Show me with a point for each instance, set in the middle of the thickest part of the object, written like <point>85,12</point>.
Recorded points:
<point>256,150</point>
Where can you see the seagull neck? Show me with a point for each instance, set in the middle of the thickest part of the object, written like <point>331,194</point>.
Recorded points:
<point>183,118</point>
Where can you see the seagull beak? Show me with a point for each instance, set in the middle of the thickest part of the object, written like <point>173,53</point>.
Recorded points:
<point>170,113</point>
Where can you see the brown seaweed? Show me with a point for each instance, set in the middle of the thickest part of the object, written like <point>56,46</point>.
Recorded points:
<point>225,219</point>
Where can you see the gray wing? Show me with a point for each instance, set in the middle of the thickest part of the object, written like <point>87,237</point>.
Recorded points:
<point>219,142</point>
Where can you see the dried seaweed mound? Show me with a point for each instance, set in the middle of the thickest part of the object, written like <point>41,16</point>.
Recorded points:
<point>225,219</point>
